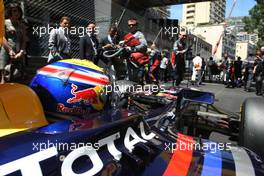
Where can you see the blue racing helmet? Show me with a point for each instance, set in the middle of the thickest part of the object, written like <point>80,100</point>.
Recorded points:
<point>74,87</point>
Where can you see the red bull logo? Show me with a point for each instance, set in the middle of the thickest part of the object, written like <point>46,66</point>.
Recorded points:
<point>88,96</point>
<point>72,110</point>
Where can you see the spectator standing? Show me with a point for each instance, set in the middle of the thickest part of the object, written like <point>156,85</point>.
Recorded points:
<point>238,71</point>
<point>258,73</point>
<point>197,68</point>
<point>11,54</point>
<point>163,66</point>
<point>59,41</point>
<point>262,52</point>
<point>223,68</point>
<point>230,74</point>
<point>177,59</point>
<point>248,65</point>
<point>154,61</point>
<point>89,44</point>
<point>203,68</point>
<point>210,64</point>
<point>16,40</point>
<point>108,43</point>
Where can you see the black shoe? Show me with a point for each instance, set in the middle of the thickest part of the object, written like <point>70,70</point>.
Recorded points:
<point>258,93</point>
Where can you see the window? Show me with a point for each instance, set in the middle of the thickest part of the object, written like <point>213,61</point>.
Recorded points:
<point>190,11</point>
<point>190,6</point>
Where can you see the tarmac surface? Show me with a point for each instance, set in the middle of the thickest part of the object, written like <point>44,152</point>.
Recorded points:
<point>229,99</point>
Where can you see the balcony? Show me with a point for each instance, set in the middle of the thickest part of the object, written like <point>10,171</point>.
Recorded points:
<point>190,12</point>
<point>189,17</point>
<point>191,8</point>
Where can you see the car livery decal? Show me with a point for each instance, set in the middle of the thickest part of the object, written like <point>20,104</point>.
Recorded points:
<point>30,165</point>
<point>228,165</point>
<point>180,163</point>
<point>181,159</point>
<point>243,163</point>
<point>184,162</point>
<point>212,165</point>
<point>89,96</point>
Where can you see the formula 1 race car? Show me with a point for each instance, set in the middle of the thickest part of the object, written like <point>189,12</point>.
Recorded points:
<point>94,126</point>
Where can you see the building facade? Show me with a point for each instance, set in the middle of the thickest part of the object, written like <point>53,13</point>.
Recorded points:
<point>203,13</point>
<point>246,37</point>
<point>237,25</point>
<point>212,34</point>
<point>243,49</point>
<point>199,46</point>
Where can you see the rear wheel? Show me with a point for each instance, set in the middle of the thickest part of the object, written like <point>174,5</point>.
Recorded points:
<point>251,131</point>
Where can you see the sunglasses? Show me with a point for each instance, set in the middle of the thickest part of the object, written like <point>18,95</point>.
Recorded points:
<point>131,25</point>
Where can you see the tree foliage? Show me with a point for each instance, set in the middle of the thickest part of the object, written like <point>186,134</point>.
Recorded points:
<point>255,21</point>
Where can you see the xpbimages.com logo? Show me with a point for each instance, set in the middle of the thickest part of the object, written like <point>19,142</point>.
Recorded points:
<point>134,88</point>
<point>173,31</point>
<point>41,31</point>
<point>64,146</point>
<point>206,146</point>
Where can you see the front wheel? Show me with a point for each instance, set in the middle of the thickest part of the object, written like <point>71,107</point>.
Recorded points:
<point>251,131</point>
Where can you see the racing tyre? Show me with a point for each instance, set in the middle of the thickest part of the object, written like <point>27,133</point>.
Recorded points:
<point>251,128</point>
